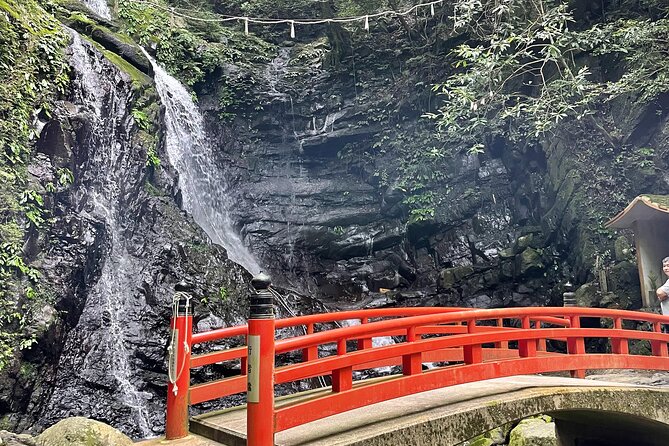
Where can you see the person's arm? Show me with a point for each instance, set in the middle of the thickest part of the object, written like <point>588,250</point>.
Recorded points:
<point>663,292</point>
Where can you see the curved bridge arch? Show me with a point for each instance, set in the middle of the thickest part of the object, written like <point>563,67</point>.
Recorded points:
<point>586,412</point>
<point>594,415</point>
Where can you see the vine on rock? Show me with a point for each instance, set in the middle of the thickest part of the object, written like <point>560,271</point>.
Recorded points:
<point>33,72</point>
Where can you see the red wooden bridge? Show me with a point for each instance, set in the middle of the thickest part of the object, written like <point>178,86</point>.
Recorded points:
<point>461,345</point>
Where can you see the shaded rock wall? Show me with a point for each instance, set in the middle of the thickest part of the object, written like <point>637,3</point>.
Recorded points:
<point>319,198</point>
<point>322,197</point>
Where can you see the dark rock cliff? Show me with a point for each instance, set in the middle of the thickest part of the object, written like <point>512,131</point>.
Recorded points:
<point>117,245</point>
<point>320,196</point>
<point>328,165</point>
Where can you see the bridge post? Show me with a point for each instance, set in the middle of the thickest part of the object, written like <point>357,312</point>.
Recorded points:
<point>260,390</point>
<point>568,297</point>
<point>576,346</point>
<point>176,419</point>
<point>527,348</point>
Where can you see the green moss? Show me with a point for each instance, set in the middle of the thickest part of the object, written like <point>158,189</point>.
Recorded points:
<point>11,232</point>
<point>662,200</point>
<point>11,11</point>
<point>81,19</point>
<point>32,43</point>
<point>139,79</point>
<point>153,190</point>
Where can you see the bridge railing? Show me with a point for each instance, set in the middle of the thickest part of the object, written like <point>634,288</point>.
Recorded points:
<point>465,344</point>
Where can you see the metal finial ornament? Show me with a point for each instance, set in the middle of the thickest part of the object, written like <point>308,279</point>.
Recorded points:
<point>261,282</point>
<point>182,286</point>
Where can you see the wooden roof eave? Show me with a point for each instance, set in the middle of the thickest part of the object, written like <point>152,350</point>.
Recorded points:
<point>641,208</point>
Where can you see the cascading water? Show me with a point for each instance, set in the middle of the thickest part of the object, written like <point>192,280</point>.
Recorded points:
<point>95,369</point>
<point>203,184</point>
<point>99,7</point>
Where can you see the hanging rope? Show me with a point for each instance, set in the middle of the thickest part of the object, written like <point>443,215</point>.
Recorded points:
<point>172,373</point>
<point>291,22</point>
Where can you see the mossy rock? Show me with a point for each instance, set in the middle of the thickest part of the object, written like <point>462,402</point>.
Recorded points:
<point>481,441</point>
<point>534,432</point>
<point>80,431</point>
<point>507,253</point>
<point>121,46</point>
<point>530,240</point>
<point>587,296</point>
<point>529,262</point>
<point>623,250</point>
<point>624,282</point>
<point>491,277</point>
<point>450,276</point>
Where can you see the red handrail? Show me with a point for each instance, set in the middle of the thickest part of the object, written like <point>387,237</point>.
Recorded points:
<point>324,318</point>
<point>474,342</point>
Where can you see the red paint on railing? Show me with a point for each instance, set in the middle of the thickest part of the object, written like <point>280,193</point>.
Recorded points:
<point>176,418</point>
<point>474,343</point>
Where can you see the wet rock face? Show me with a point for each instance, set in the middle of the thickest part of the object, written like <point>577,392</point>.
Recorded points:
<point>319,199</point>
<point>330,227</point>
<point>116,247</point>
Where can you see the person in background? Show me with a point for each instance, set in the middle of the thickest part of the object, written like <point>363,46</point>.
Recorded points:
<point>663,291</point>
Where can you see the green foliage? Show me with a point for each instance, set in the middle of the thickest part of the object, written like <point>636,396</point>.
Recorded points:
<point>189,50</point>
<point>141,119</point>
<point>33,72</point>
<point>33,205</point>
<point>15,314</point>
<point>65,176</point>
<point>522,74</point>
<point>220,297</point>
<point>152,158</point>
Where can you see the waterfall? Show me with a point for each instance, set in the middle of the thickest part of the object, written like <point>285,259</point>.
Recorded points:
<point>95,369</point>
<point>99,7</point>
<point>203,184</point>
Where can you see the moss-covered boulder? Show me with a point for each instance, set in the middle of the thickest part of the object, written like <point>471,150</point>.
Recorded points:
<point>493,437</point>
<point>534,432</point>
<point>10,439</point>
<point>79,431</point>
<point>529,262</point>
<point>587,296</point>
<point>480,441</point>
<point>117,43</point>
<point>449,276</point>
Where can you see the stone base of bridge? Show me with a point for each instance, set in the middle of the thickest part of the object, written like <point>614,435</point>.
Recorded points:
<point>592,413</point>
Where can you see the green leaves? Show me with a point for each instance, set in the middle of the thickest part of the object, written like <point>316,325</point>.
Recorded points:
<point>152,158</point>
<point>519,80</point>
<point>141,119</point>
<point>523,76</point>
<point>33,72</point>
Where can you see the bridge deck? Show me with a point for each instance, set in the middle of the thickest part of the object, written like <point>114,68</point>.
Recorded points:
<point>229,426</point>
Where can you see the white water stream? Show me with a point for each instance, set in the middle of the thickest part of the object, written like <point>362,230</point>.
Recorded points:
<point>99,7</point>
<point>112,299</point>
<point>203,183</point>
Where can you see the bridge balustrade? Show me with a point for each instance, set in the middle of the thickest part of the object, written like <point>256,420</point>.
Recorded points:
<point>461,345</point>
